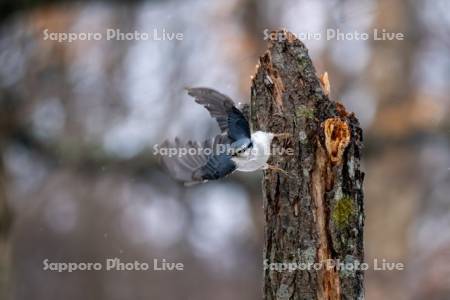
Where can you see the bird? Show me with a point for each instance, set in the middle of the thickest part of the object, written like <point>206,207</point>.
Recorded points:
<point>236,148</point>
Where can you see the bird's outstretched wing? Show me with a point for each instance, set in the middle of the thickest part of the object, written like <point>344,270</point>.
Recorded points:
<point>194,163</point>
<point>221,107</point>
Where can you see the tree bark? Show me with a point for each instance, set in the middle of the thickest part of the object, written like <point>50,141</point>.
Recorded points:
<point>314,214</point>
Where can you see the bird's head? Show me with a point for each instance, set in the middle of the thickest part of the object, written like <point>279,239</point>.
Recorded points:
<point>241,146</point>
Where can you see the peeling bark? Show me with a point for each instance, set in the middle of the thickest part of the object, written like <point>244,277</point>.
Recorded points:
<point>316,213</point>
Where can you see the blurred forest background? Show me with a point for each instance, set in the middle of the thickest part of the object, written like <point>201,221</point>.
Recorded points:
<point>80,183</point>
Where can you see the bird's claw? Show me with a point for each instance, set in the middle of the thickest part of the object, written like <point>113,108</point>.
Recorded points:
<point>284,135</point>
<point>277,169</point>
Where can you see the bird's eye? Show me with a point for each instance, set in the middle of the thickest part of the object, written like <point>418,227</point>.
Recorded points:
<point>240,150</point>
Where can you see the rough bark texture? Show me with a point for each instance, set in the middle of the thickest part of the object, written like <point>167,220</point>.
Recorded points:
<point>316,212</point>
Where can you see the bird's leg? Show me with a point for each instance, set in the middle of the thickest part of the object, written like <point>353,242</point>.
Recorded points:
<point>275,168</point>
<point>284,135</point>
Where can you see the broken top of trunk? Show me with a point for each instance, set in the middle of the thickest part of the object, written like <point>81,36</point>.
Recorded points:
<point>315,214</point>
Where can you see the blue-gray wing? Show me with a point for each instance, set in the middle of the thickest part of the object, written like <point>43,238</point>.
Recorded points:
<point>195,162</point>
<point>230,119</point>
<point>217,166</point>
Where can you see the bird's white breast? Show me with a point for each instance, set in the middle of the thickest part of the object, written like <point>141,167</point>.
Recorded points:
<point>255,158</point>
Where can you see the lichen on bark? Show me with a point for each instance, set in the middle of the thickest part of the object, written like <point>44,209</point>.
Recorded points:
<point>287,96</point>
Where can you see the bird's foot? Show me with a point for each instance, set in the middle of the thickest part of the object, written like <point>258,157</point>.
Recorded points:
<point>284,135</point>
<point>276,169</point>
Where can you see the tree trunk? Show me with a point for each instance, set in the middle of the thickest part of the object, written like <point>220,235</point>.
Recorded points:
<point>315,212</point>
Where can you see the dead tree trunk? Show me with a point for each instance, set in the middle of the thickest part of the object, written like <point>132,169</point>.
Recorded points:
<point>314,214</point>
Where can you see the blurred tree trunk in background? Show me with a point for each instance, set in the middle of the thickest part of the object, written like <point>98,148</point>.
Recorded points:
<point>315,213</point>
<point>5,220</point>
<point>5,224</point>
